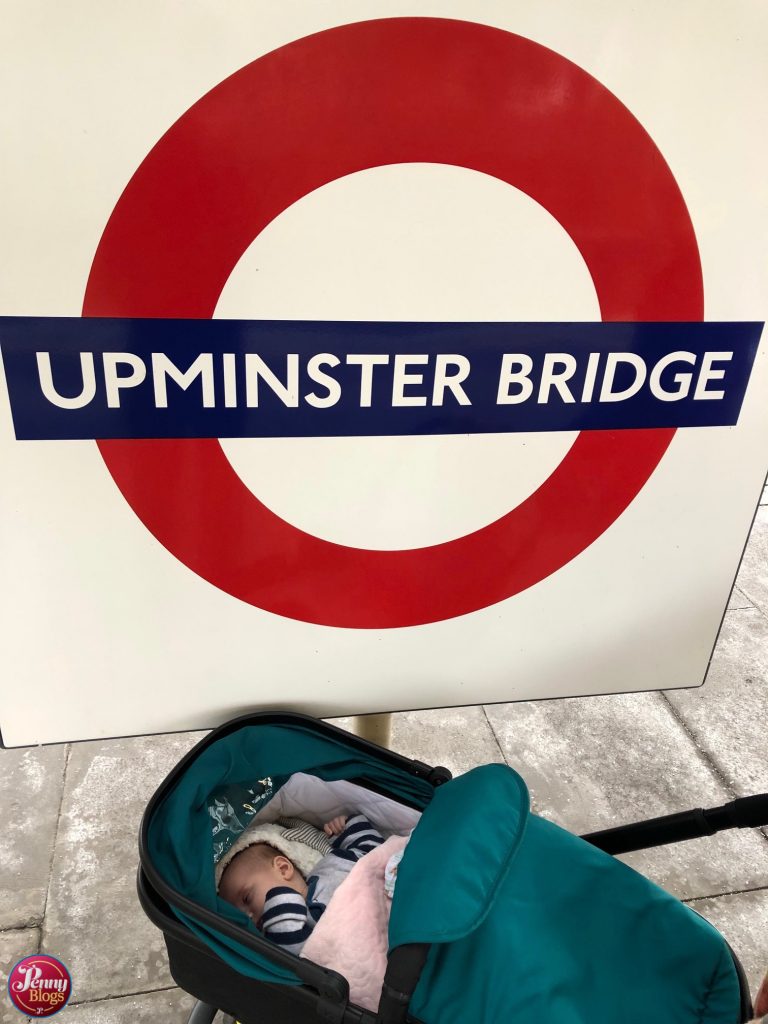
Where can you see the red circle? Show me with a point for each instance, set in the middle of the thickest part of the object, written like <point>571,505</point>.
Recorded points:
<point>397,90</point>
<point>39,985</point>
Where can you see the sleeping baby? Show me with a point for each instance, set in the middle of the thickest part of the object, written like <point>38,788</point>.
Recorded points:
<point>269,887</point>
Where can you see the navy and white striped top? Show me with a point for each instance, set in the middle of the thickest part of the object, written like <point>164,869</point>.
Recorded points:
<point>288,918</point>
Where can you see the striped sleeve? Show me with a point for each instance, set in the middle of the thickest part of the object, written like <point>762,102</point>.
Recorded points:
<point>358,838</point>
<point>285,919</point>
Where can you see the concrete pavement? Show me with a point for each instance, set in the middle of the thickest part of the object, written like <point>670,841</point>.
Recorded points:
<point>68,849</point>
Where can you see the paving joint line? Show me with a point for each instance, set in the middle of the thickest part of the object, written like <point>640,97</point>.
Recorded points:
<point>124,995</point>
<point>709,759</point>
<point>712,763</point>
<point>748,607</point>
<point>733,892</point>
<point>21,927</point>
<point>754,605</point>
<point>495,737</point>
<point>53,845</point>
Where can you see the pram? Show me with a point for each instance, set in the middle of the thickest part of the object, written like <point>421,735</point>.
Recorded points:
<point>498,915</point>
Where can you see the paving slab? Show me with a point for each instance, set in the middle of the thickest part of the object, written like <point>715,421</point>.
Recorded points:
<point>14,946</point>
<point>31,782</point>
<point>167,1007</point>
<point>93,921</point>
<point>753,574</point>
<point>597,762</point>
<point>743,920</point>
<point>457,738</point>
<point>728,715</point>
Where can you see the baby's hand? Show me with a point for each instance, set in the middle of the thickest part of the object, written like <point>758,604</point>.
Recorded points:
<point>335,827</point>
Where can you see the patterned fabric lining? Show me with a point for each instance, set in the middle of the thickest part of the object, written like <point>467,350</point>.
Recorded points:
<point>232,809</point>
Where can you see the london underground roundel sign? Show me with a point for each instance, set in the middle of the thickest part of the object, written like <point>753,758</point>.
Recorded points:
<point>396,90</point>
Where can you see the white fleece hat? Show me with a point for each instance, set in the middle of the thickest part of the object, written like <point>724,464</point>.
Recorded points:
<point>273,834</point>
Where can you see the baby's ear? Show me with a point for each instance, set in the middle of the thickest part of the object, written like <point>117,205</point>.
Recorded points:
<point>285,867</point>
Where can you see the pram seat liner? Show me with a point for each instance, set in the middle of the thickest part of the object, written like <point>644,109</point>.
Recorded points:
<point>529,923</point>
<point>179,839</point>
<point>317,801</point>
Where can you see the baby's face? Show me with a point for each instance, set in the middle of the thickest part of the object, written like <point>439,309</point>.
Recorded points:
<point>249,877</point>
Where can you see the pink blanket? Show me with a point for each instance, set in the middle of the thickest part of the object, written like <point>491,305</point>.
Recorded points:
<point>351,936</point>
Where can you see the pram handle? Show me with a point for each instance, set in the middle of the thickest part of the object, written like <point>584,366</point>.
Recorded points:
<point>746,812</point>
<point>404,966</point>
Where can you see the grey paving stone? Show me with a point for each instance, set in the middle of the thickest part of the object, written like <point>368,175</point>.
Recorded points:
<point>14,946</point>
<point>93,920</point>
<point>168,1007</point>
<point>30,792</point>
<point>728,715</point>
<point>457,738</point>
<point>743,920</point>
<point>753,574</point>
<point>597,762</point>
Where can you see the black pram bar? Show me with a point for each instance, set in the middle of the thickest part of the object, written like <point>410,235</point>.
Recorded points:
<point>746,812</point>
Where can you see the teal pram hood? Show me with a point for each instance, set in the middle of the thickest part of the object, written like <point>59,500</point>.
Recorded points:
<point>527,923</point>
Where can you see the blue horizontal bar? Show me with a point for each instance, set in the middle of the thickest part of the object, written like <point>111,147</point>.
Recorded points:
<point>74,378</point>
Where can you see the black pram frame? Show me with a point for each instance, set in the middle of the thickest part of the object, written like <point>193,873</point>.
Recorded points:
<point>323,995</point>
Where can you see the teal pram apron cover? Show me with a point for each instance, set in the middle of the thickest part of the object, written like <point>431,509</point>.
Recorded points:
<point>531,924</point>
<point>459,856</point>
<point>527,922</point>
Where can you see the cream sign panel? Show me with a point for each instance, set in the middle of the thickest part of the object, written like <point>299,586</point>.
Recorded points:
<point>358,358</point>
